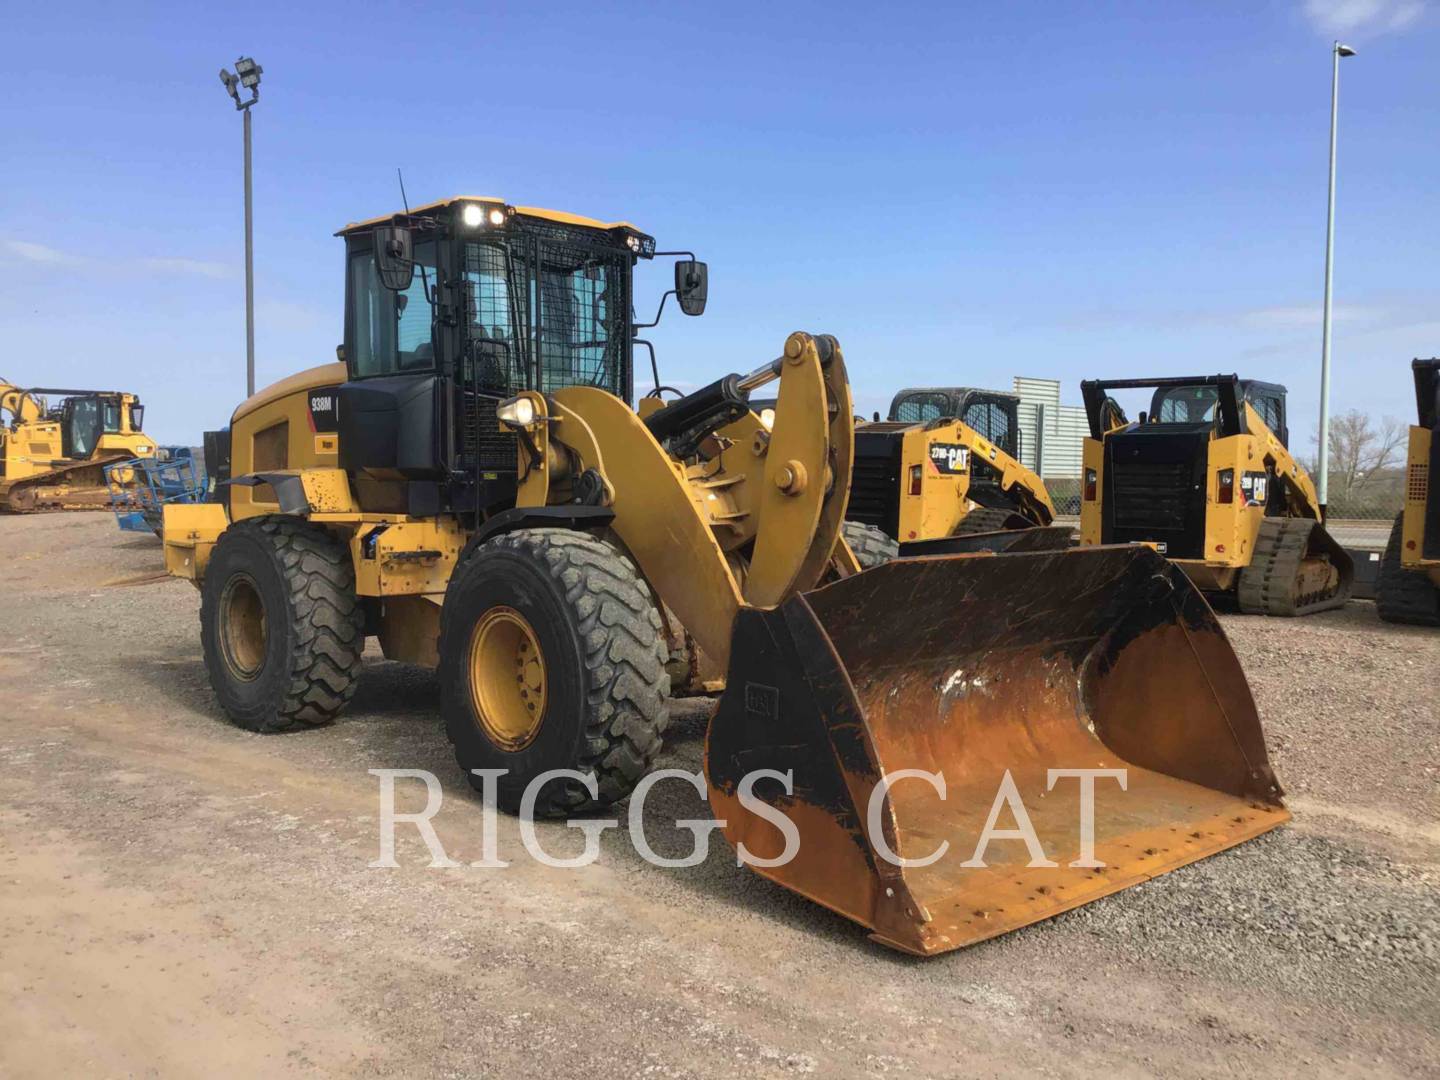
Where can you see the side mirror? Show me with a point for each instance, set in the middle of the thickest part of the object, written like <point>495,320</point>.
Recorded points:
<point>394,257</point>
<point>691,284</point>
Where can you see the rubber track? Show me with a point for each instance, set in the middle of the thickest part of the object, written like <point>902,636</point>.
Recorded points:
<point>1268,585</point>
<point>325,618</point>
<point>627,691</point>
<point>985,519</point>
<point>1405,596</point>
<point>870,545</point>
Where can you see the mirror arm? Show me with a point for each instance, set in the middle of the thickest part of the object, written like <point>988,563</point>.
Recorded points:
<point>654,367</point>
<point>647,325</point>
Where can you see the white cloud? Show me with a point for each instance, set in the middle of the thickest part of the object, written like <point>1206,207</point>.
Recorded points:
<point>189,266</point>
<point>39,253</point>
<point>1362,16</point>
<point>1304,316</point>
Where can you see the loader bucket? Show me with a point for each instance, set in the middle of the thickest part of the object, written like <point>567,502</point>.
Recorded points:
<point>979,667</point>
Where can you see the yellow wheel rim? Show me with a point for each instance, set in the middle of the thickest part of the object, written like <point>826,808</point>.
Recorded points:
<point>243,629</point>
<point>507,678</point>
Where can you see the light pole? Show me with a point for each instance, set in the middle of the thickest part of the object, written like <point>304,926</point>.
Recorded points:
<point>247,74</point>
<point>1322,482</point>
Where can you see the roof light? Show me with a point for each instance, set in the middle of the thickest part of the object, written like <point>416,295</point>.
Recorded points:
<point>473,215</point>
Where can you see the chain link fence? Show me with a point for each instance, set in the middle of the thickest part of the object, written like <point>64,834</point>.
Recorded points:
<point>1377,500</point>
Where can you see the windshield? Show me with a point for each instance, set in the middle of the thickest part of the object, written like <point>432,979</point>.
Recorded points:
<point>548,311</point>
<point>1185,405</point>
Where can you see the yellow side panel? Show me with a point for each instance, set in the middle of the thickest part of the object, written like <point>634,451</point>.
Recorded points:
<point>405,558</point>
<point>1093,459</point>
<point>1417,487</point>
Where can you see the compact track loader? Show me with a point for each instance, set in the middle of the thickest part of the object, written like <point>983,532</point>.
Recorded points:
<point>1408,589</point>
<point>53,457</point>
<point>1207,479</point>
<point>945,465</point>
<point>472,488</point>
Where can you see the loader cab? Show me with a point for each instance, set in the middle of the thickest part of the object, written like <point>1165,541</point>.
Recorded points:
<point>1153,483</point>
<point>456,306</point>
<point>990,413</point>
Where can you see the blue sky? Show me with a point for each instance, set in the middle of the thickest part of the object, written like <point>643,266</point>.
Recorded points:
<point>959,192</point>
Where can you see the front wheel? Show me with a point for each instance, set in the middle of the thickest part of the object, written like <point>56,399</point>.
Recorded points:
<point>552,657</point>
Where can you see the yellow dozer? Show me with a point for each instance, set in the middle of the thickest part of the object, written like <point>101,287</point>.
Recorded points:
<point>1206,477</point>
<point>53,456</point>
<point>942,475</point>
<point>472,488</point>
<point>1408,589</point>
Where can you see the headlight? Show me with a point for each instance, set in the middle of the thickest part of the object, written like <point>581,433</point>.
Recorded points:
<point>473,215</point>
<point>633,243</point>
<point>497,216</point>
<point>767,417</point>
<point>517,412</point>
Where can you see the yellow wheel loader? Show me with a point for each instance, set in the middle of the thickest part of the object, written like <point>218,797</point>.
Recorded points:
<point>472,487</point>
<point>53,456</point>
<point>1205,476</point>
<point>945,466</point>
<point>1408,589</point>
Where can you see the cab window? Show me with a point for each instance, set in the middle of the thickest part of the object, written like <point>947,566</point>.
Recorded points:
<point>921,408</point>
<point>112,416</point>
<point>390,332</point>
<point>1186,405</point>
<point>991,420</point>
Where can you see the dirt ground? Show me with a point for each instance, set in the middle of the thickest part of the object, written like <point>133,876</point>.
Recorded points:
<point>178,896</point>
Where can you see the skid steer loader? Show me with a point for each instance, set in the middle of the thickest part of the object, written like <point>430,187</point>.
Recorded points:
<point>472,487</point>
<point>942,467</point>
<point>1408,589</point>
<point>53,457</point>
<point>1206,478</point>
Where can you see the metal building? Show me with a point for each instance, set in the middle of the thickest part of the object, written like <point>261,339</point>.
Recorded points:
<point>1050,433</point>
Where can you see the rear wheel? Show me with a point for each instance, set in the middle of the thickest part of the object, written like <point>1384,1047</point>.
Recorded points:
<point>280,624</point>
<point>870,545</point>
<point>552,657</point>
<point>1401,595</point>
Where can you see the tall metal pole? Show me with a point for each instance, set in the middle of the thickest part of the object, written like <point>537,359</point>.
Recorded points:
<point>1322,480</point>
<point>250,273</point>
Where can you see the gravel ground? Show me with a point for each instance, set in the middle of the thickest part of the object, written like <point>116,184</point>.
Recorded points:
<point>177,895</point>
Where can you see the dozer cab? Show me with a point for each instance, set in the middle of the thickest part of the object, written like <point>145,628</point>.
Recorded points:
<point>53,456</point>
<point>1206,477</point>
<point>1408,589</point>
<point>945,465</point>
<point>473,487</point>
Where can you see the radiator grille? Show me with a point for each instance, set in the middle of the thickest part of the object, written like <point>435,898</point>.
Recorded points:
<point>874,492</point>
<point>1150,495</point>
<point>1417,486</point>
<point>483,444</point>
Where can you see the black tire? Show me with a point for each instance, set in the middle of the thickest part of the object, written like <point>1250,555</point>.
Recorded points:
<point>1404,596</point>
<point>983,519</point>
<point>870,545</point>
<point>607,696</point>
<point>302,669</point>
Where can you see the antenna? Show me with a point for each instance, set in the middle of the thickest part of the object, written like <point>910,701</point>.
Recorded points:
<point>401,177</point>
